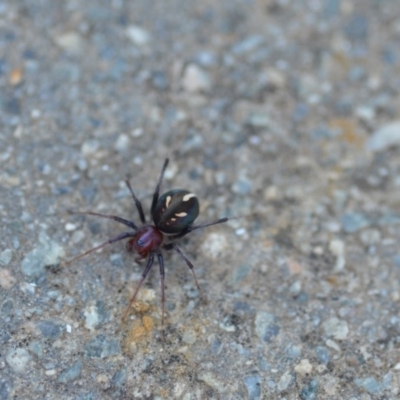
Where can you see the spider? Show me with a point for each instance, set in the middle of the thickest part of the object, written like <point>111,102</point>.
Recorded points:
<point>173,215</point>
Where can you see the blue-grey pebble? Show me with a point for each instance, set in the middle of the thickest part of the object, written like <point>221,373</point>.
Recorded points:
<point>71,373</point>
<point>50,329</point>
<point>7,307</point>
<point>323,354</point>
<point>253,385</point>
<point>370,384</point>
<point>353,222</point>
<point>119,377</point>
<point>101,347</point>
<point>266,326</point>
<point>310,390</point>
<point>6,387</point>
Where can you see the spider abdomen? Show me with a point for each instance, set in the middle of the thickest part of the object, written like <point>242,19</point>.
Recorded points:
<point>175,211</point>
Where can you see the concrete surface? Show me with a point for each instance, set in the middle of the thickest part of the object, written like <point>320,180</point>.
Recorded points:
<point>283,113</point>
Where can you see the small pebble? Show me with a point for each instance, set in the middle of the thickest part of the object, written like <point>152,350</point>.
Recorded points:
<point>258,120</point>
<point>322,354</point>
<point>189,336</point>
<point>353,222</point>
<point>370,237</point>
<point>70,41</point>
<point>216,345</point>
<point>139,36</point>
<point>336,328</point>
<point>71,373</point>
<point>310,391</point>
<point>227,325</point>
<point>46,252</point>
<point>70,227</point>
<point>138,132</point>
<point>240,273</point>
<point>304,367</point>
<point>253,386</point>
<point>89,148</point>
<point>211,380</point>
<point>18,360</point>
<point>332,344</point>
<point>7,279</point>
<point>15,77</point>
<point>119,377</point>
<point>6,256</point>
<point>242,186</point>
<point>7,307</point>
<point>101,347</point>
<point>248,44</point>
<point>214,245</point>
<point>28,288</point>
<point>266,326</point>
<point>337,248</point>
<point>36,348</point>
<point>195,79</point>
<point>92,318</point>
<point>294,351</point>
<point>295,288</point>
<point>50,329</point>
<point>370,384</point>
<point>286,380</point>
<point>122,143</point>
<point>386,136</point>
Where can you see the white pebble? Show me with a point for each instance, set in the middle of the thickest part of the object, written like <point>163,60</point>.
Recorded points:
<point>195,79</point>
<point>70,227</point>
<point>336,328</point>
<point>137,35</point>
<point>122,143</point>
<point>337,248</point>
<point>18,360</point>
<point>304,367</point>
<point>214,245</point>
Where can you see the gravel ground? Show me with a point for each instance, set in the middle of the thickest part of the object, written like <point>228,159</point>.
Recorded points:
<point>284,113</point>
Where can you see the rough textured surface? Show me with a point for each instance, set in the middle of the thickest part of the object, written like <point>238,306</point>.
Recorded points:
<point>286,112</point>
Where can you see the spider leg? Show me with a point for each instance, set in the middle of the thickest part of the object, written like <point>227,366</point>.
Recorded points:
<point>200,226</point>
<point>137,202</point>
<point>113,217</point>
<point>162,275</point>
<point>145,272</point>
<point>184,258</point>
<point>110,241</point>
<point>157,191</point>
